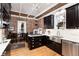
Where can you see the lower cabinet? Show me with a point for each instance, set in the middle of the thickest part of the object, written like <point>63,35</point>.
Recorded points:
<point>34,42</point>
<point>57,47</point>
<point>70,48</point>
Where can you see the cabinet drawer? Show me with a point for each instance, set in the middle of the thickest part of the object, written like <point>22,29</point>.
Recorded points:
<point>33,46</point>
<point>40,40</point>
<point>33,43</point>
<point>32,40</point>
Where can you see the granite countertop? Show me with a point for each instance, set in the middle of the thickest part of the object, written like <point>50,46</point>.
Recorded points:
<point>3,46</point>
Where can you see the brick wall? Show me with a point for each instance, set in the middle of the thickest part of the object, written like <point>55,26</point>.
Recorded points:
<point>30,23</point>
<point>41,23</point>
<point>14,22</point>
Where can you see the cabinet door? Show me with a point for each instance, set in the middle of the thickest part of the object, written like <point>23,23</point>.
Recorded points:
<point>78,16</point>
<point>70,17</point>
<point>49,22</point>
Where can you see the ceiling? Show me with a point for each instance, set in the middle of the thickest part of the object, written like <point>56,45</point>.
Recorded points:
<point>34,9</point>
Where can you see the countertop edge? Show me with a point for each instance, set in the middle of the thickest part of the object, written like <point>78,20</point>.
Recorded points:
<point>3,46</point>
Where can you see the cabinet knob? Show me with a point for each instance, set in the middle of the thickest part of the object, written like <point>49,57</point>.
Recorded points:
<point>40,44</point>
<point>39,40</point>
<point>32,42</point>
<point>32,38</point>
<point>33,46</point>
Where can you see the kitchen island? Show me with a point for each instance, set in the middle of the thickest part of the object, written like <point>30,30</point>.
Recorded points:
<point>35,41</point>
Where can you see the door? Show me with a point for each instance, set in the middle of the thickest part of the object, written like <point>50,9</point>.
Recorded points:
<point>19,26</point>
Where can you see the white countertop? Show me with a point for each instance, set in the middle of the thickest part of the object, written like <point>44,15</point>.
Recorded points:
<point>64,37</point>
<point>67,37</point>
<point>3,46</point>
<point>73,39</point>
<point>35,35</point>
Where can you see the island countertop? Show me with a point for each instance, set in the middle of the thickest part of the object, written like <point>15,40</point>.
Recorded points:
<point>35,35</point>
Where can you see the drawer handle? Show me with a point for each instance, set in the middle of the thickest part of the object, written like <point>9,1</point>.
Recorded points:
<point>32,40</point>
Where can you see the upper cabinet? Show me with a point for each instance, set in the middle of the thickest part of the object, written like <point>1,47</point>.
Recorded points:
<point>49,22</point>
<point>72,17</point>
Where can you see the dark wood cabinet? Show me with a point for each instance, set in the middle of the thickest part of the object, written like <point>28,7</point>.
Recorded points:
<point>72,17</point>
<point>49,22</point>
<point>57,47</point>
<point>37,41</point>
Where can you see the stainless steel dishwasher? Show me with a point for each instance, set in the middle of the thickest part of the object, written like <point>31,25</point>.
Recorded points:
<point>70,48</point>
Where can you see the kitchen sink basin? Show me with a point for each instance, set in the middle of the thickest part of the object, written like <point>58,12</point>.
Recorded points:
<point>59,37</point>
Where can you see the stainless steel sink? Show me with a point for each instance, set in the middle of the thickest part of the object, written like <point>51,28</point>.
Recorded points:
<point>57,39</point>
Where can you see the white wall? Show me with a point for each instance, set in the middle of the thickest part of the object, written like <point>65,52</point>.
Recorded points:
<point>0,35</point>
<point>52,32</point>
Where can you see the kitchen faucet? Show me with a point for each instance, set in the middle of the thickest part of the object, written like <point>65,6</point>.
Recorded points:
<point>58,33</point>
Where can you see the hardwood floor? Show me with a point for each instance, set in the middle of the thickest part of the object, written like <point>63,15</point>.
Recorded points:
<point>41,51</point>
